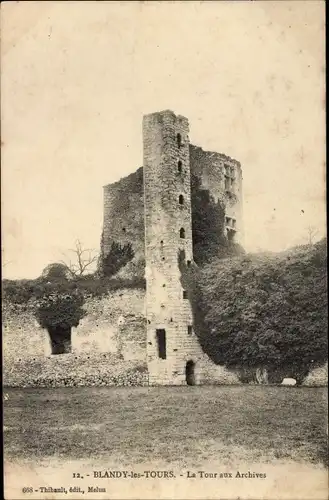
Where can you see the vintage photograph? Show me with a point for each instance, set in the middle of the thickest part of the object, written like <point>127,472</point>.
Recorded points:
<point>164,250</point>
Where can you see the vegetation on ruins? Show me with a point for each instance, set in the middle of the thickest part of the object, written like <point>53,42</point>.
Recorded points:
<point>118,256</point>
<point>58,295</point>
<point>208,219</point>
<point>80,260</point>
<point>264,315</point>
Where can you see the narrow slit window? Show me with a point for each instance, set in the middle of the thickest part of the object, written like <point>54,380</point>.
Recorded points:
<point>182,233</point>
<point>231,235</point>
<point>189,329</point>
<point>181,199</point>
<point>188,262</point>
<point>180,167</point>
<point>179,140</point>
<point>161,341</point>
<point>185,295</point>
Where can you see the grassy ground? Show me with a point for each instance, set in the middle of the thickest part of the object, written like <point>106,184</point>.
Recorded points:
<point>184,426</point>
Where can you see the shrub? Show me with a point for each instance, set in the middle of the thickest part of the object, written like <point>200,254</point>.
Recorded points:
<point>118,256</point>
<point>263,311</point>
<point>60,310</point>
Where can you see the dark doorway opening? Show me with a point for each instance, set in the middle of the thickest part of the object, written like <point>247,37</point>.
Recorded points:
<point>190,373</point>
<point>161,341</point>
<point>60,339</point>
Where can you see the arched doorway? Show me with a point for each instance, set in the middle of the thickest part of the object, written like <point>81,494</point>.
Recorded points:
<point>190,372</point>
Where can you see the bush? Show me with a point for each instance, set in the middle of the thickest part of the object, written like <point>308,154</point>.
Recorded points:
<point>118,256</point>
<point>60,310</point>
<point>263,311</point>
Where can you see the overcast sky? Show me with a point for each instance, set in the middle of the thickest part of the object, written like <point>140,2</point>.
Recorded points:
<point>77,78</point>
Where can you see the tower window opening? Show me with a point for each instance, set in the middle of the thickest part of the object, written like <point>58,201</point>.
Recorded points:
<point>189,329</point>
<point>231,235</point>
<point>161,341</point>
<point>181,199</point>
<point>161,242</point>
<point>182,233</point>
<point>185,295</point>
<point>179,140</point>
<point>188,262</point>
<point>123,229</point>
<point>227,183</point>
<point>180,166</point>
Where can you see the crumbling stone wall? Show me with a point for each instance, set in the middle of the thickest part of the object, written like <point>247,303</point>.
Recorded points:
<point>124,214</point>
<point>124,202</point>
<point>222,177</point>
<point>149,209</point>
<point>112,331</point>
<point>73,370</point>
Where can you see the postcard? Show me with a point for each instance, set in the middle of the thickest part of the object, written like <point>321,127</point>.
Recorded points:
<point>164,250</point>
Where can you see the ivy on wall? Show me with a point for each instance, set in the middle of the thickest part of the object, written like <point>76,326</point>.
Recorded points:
<point>57,298</point>
<point>264,313</point>
<point>208,223</point>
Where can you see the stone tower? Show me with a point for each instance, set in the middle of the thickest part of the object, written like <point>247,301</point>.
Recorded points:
<point>171,341</point>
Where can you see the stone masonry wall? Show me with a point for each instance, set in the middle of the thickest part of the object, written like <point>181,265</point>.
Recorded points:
<point>124,214</point>
<point>168,230</point>
<point>124,201</point>
<point>111,334</point>
<point>212,168</point>
<point>108,348</point>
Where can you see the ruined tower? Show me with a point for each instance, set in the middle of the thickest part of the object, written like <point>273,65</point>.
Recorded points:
<point>152,210</point>
<point>168,229</point>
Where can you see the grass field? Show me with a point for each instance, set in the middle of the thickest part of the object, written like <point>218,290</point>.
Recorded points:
<point>180,425</point>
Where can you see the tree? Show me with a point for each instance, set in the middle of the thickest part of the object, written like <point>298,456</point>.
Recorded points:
<point>118,256</point>
<point>312,233</point>
<point>84,260</point>
<point>263,315</point>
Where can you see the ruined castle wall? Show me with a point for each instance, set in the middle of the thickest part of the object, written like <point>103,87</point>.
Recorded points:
<point>222,176</point>
<point>112,332</point>
<point>124,202</point>
<point>124,214</point>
